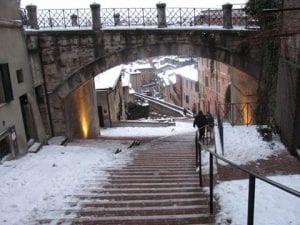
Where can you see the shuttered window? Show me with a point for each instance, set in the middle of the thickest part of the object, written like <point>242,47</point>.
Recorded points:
<point>6,94</point>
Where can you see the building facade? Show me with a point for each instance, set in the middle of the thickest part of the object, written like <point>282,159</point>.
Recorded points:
<point>20,120</point>
<point>213,83</point>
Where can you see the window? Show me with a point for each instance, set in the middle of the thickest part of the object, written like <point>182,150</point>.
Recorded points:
<point>20,76</point>
<point>197,87</point>
<point>206,81</point>
<point>6,94</point>
<point>187,99</point>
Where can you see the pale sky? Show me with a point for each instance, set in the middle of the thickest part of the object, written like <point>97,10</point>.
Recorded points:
<point>67,4</point>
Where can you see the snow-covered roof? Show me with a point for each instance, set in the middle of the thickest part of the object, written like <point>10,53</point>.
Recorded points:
<point>109,78</point>
<point>189,72</point>
<point>138,66</point>
<point>159,66</point>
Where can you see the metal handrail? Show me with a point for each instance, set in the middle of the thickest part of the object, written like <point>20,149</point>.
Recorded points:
<point>252,177</point>
<point>183,16</point>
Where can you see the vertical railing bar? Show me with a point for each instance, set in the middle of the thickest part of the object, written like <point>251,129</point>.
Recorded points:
<point>211,184</point>
<point>194,16</point>
<point>208,16</point>
<point>180,17</point>
<point>251,200</point>
<point>78,18</point>
<point>143,13</point>
<point>196,144</point>
<point>50,19</point>
<point>64,18</point>
<point>200,163</point>
<point>128,16</point>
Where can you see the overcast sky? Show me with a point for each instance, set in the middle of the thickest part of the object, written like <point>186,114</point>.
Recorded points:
<point>46,4</point>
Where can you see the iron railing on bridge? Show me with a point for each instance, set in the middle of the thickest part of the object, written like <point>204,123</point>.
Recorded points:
<point>137,17</point>
<point>252,178</point>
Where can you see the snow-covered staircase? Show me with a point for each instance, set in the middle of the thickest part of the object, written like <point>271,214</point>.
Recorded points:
<point>160,186</point>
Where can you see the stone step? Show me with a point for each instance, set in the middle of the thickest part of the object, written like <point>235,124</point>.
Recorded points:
<point>138,211</point>
<point>147,172</point>
<point>152,185</point>
<point>148,180</point>
<point>151,176</point>
<point>144,189</point>
<point>141,196</point>
<point>140,203</point>
<point>134,220</point>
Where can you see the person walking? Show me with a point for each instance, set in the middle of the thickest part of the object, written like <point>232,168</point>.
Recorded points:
<point>200,121</point>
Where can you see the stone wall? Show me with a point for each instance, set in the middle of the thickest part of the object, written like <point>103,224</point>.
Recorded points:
<point>80,111</point>
<point>288,89</point>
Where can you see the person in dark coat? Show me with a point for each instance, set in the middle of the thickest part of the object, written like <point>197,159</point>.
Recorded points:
<point>200,122</point>
<point>210,122</point>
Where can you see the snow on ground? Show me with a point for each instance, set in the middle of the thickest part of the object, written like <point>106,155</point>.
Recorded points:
<point>272,205</point>
<point>244,144</point>
<point>35,185</point>
<point>180,128</point>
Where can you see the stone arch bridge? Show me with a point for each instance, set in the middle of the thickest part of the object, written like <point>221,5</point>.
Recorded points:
<point>64,61</point>
<point>68,60</point>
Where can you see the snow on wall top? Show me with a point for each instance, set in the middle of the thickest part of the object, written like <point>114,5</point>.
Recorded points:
<point>109,78</point>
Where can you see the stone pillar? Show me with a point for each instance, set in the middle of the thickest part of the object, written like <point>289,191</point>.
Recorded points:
<point>161,15</point>
<point>95,8</point>
<point>117,19</point>
<point>74,21</point>
<point>32,16</point>
<point>227,16</point>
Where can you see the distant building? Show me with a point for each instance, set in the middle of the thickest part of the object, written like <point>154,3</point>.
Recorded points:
<point>110,97</point>
<point>141,73</point>
<point>20,120</point>
<point>213,83</point>
<point>180,86</point>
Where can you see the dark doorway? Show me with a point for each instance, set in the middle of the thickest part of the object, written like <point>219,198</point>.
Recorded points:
<point>28,120</point>
<point>5,146</point>
<point>24,109</point>
<point>100,115</point>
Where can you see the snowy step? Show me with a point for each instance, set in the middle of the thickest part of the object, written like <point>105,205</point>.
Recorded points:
<point>141,196</point>
<point>144,189</point>
<point>150,180</point>
<point>140,203</point>
<point>133,211</point>
<point>150,172</point>
<point>35,147</point>
<point>155,185</point>
<point>134,220</point>
<point>153,175</point>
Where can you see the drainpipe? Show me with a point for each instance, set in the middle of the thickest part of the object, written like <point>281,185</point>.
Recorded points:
<point>108,106</point>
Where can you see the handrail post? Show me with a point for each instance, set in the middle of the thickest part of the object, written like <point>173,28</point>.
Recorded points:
<point>211,184</point>
<point>251,200</point>
<point>196,144</point>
